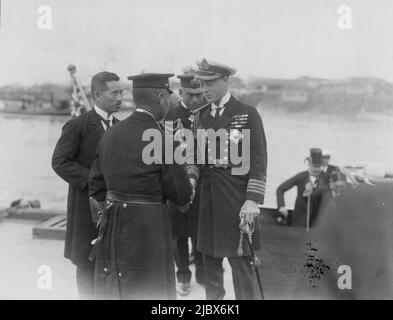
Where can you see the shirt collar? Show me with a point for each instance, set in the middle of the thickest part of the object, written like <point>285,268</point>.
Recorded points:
<point>103,114</point>
<point>224,100</point>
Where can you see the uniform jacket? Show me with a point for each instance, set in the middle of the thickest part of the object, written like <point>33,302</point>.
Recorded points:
<point>135,260</point>
<point>222,192</point>
<point>72,159</point>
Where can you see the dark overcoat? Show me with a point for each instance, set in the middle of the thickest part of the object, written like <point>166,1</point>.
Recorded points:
<point>224,191</point>
<point>72,159</point>
<point>135,258</point>
<point>299,214</point>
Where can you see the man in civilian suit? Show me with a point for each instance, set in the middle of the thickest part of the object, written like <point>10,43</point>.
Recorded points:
<point>312,182</point>
<point>72,159</point>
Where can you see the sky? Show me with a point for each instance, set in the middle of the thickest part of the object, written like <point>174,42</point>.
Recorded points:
<point>259,38</point>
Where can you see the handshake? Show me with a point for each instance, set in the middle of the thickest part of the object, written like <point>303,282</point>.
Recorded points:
<point>184,208</point>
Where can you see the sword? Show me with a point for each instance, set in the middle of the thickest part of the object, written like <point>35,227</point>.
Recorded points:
<point>248,229</point>
<point>254,261</point>
<point>102,224</point>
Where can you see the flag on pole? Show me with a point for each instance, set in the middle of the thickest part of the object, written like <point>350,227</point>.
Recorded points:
<point>79,103</point>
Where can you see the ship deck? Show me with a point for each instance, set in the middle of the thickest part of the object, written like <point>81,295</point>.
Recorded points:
<point>22,255</point>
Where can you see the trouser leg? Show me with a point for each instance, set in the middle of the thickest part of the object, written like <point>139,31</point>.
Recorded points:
<point>214,278</point>
<point>199,271</point>
<point>244,279</point>
<point>183,273</point>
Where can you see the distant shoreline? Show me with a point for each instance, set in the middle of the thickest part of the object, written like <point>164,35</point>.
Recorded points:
<point>316,115</point>
<point>53,112</point>
<point>313,115</point>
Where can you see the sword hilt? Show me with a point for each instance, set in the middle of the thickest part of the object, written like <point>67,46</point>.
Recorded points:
<point>254,261</point>
<point>245,228</point>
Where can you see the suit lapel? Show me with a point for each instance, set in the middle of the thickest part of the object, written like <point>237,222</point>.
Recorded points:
<point>207,121</point>
<point>307,177</point>
<point>95,122</point>
<point>95,125</point>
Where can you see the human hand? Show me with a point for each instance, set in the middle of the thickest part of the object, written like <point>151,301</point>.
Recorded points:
<point>283,211</point>
<point>193,183</point>
<point>249,211</point>
<point>308,189</point>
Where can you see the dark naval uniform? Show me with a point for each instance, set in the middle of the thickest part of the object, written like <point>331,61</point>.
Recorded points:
<point>185,224</point>
<point>134,258</point>
<point>223,194</point>
<point>72,159</point>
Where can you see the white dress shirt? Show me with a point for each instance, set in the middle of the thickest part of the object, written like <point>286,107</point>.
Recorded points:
<point>221,105</point>
<point>105,116</point>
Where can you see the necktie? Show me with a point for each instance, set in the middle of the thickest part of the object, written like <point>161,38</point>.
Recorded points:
<point>106,122</point>
<point>217,115</point>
